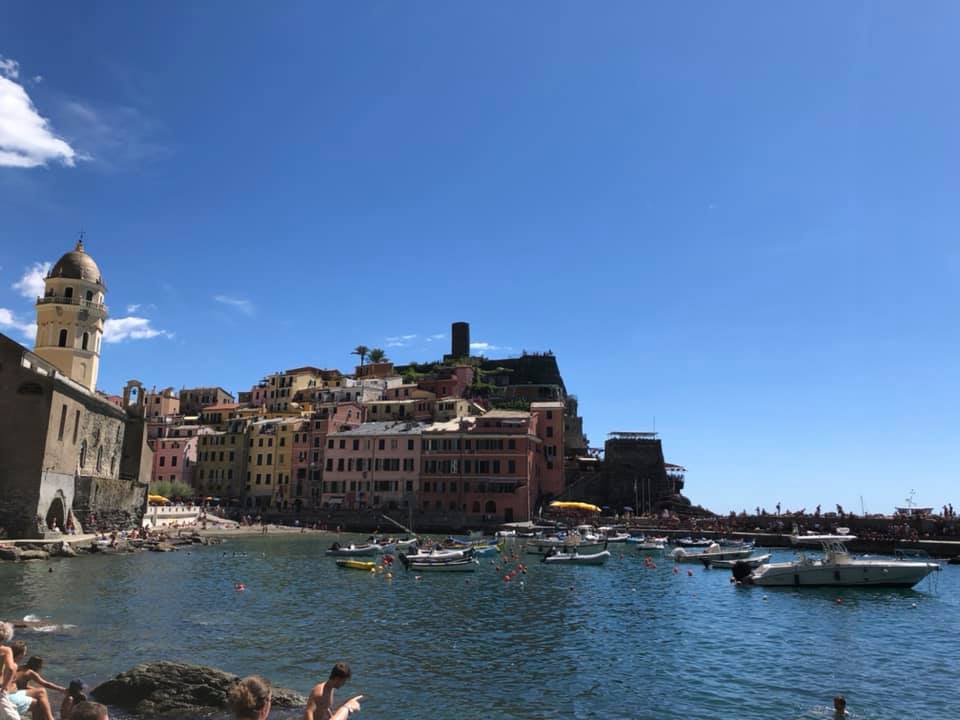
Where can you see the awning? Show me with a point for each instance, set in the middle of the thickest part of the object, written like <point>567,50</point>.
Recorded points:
<point>582,506</point>
<point>157,499</point>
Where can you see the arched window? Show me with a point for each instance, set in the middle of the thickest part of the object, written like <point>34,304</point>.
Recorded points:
<point>86,340</point>
<point>62,342</point>
<point>99,459</point>
<point>89,295</point>
<point>83,454</point>
<point>68,293</point>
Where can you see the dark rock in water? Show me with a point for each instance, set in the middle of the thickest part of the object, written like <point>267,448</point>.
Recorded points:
<point>170,687</point>
<point>10,553</point>
<point>34,554</point>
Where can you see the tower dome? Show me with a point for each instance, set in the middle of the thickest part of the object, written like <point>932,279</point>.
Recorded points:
<point>77,265</point>
<point>71,316</point>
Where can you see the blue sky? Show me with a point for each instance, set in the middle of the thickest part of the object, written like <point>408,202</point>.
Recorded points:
<point>738,219</point>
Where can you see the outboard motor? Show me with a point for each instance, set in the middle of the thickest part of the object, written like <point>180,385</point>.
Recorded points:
<point>741,570</point>
<point>335,546</point>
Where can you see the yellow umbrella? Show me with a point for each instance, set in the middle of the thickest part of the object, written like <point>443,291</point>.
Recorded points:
<point>157,499</point>
<point>565,505</point>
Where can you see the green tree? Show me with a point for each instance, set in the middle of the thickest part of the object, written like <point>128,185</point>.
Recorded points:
<point>362,351</point>
<point>377,355</point>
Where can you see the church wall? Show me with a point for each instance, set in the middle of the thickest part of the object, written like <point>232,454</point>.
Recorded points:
<point>25,400</point>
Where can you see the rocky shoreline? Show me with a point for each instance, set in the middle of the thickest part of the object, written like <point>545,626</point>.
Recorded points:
<point>41,550</point>
<point>177,689</point>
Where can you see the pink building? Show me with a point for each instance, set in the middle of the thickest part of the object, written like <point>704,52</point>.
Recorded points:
<point>549,429</point>
<point>488,467</point>
<point>309,447</point>
<point>374,465</point>
<point>175,453</point>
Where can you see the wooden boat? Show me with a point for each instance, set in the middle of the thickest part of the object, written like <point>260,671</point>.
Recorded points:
<point>712,553</point>
<point>463,564</point>
<point>367,565</point>
<point>575,558</point>
<point>338,550</point>
<point>438,556</point>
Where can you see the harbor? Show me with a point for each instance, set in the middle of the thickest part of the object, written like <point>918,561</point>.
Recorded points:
<point>621,640</point>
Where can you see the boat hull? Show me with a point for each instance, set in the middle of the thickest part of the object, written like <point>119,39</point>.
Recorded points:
<point>368,551</point>
<point>366,565</point>
<point>577,559</point>
<point>456,566</point>
<point>859,574</point>
<point>702,557</point>
<point>534,548</point>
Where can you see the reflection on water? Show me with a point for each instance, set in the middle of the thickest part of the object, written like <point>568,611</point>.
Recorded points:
<point>620,641</point>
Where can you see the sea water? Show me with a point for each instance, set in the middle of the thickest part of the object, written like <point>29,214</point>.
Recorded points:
<point>619,641</point>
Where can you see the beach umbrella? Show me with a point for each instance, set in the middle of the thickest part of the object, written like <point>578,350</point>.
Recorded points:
<point>567,505</point>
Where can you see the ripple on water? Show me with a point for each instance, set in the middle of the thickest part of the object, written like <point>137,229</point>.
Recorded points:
<point>622,641</point>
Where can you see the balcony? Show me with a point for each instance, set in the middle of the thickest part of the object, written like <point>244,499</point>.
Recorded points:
<point>63,300</point>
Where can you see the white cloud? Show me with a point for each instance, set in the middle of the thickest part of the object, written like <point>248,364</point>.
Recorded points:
<point>9,321</point>
<point>133,308</point>
<point>111,136</point>
<point>30,284</point>
<point>26,138</point>
<point>38,78</point>
<point>9,68</point>
<point>117,330</point>
<point>483,346</point>
<point>244,306</point>
<point>401,340</point>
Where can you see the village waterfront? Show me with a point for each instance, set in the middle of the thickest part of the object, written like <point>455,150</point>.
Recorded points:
<point>619,641</point>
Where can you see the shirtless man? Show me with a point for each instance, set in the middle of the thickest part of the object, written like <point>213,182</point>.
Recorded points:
<point>23,698</point>
<point>320,702</point>
<point>8,673</point>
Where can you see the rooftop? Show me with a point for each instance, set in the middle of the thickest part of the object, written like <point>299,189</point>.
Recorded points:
<point>384,428</point>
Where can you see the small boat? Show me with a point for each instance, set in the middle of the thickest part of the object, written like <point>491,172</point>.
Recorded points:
<point>711,553</point>
<point>617,537</point>
<point>837,568</point>
<point>485,549</point>
<point>651,545</point>
<point>691,542</point>
<point>462,564</point>
<point>575,558</point>
<point>367,565</point>
<point>439,555</point>
<point>751,562</point>
<point>405,544</point>
<point>506,533</point>
<point>369,550</point>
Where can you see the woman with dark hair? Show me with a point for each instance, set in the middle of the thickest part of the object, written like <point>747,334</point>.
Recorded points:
<point>75,695</point>
<point>250,699</point>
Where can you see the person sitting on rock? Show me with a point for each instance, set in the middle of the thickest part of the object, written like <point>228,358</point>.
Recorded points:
<point>8,673</point>
<point>76,694</point>
<point>89,711</point>
<point>31,673</point>
<point>27,698</point>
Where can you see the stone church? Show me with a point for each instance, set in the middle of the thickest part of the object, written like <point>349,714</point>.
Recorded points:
<point>68,456</point>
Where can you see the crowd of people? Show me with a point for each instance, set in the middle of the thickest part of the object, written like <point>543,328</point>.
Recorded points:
<point>24,691</point>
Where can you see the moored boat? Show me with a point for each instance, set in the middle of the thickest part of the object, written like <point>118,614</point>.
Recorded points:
<point>347,564</point>
<point>434,564</point>
<point>338,550</point>
<point>576,558</point>
<point>711,553</point>
<point>836,568</point>
<point>751,562</point>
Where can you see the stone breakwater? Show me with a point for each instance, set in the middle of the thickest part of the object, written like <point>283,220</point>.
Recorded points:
<point>24,551</point>
<point>180,689</point>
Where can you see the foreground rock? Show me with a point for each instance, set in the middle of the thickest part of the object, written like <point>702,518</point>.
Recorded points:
<point>169,687</point>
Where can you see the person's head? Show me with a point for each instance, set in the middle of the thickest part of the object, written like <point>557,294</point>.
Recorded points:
<point>87,710</point>
<point>19,648</point>
<point>840,704</point>
<point>77,690</point>
<point>6,632</point>
<point>35,663</point>
<point>339,675</point>
<point>250,698</point>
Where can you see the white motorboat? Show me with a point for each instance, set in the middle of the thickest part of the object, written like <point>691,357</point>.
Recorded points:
<point>711,553</point>
<point>405,544</point>
<point>575,558</point>
<point>450,564</point>
<point>616,537</point>
<point>439,555</point>
<point>651,545</point>
<point>751,562</point>
<point>837,568</point>
<point>338,550</point>
<point>506,533</point>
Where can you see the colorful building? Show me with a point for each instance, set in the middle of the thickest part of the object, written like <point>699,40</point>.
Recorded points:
<point>165,403</point>
<point>192,400</point>
<point>374,465</point>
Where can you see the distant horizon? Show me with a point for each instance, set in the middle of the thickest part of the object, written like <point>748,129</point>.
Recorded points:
<point>739,220</point>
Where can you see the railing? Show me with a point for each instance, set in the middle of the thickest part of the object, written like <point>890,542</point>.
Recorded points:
<point>63,300</point>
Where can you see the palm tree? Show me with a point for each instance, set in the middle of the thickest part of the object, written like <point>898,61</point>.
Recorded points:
<point>377,355</point>
<point>362,351</point>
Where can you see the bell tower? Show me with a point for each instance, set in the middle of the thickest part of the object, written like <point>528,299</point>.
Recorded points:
<point>70,317</point>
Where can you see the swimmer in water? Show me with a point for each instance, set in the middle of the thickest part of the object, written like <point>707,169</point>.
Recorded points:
<point>840,706</point>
